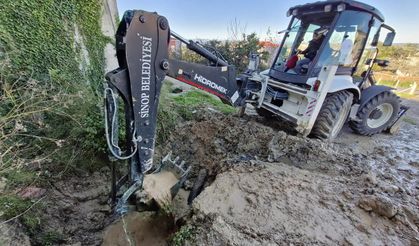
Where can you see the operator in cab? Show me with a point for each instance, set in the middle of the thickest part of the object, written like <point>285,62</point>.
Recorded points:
<point>311,51</point>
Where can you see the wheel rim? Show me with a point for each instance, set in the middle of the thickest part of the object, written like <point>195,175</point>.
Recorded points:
<point>341,120</point>
<point>385,112</point>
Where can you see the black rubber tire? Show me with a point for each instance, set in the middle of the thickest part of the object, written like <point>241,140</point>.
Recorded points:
<point>332,115</point>
<point>198,185</point>
<point>361,127</point>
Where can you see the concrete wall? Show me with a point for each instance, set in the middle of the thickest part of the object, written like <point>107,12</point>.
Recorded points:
<point>109,26</point>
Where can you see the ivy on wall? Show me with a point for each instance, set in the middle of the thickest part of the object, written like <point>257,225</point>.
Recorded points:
<point>54,55</point>
<point>44,34</point>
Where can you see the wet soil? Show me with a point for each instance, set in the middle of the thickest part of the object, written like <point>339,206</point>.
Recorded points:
<point>273,188</point>
<point>266,187</point>
<point>77,208</point>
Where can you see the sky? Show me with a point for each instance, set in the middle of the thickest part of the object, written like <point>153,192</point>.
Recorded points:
<point>209,19</point>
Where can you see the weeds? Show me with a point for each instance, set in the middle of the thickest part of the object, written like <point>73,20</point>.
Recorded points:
<point>23,210</point>
<point>185,233</point>
<point>410,121</point>
<point>50,238</point>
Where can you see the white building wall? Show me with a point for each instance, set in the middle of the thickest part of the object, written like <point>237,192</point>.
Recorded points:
<point>109,26</point>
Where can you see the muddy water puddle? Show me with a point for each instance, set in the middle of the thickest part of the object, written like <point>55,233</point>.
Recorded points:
<point>145,228</point>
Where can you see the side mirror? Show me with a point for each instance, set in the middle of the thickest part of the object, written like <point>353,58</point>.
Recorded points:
<point>389,39</point>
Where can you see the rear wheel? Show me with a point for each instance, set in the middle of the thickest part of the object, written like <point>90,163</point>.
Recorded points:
<point>377,115</point>
<point>332,115</point>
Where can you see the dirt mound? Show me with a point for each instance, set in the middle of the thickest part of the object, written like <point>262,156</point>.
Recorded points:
<point>271,187</point>
<point>215,140</point>
<point>281,203</point>
<point>218,142</point>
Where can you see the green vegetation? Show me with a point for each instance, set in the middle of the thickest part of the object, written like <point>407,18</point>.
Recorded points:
<point>410,120</point>
<point>236,52</point>
<point>167,117</point>
<point>184,234</point>
<point>50,238</point>
<point>401,56</point>
<point>406,95</point>
<point>52,68</point>
<point>19,177</point>
<point>13,206</point>
<point>400,85</point>
<point>51,71</point>
<point>195,98</point>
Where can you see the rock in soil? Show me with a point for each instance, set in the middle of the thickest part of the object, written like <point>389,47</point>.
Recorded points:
<point>378,204</point>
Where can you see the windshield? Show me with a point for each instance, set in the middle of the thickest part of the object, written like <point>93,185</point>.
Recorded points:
<point>300,40</point>
<point>351,30</point>
<point>287,47</point>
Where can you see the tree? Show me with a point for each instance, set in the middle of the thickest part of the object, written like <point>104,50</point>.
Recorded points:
<point>235,52</point>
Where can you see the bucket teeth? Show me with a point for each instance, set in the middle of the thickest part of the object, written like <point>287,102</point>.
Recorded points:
<point>180,167</point>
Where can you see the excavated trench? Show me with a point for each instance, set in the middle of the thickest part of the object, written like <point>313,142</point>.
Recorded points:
<point>269,187</point>
<point>265,187</point>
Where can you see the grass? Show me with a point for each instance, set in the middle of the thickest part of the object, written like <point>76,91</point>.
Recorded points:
<point>19,177</point>
<point>410,120</point>
<point>50,238</point>
<point>406,95</point>
<point>12,206</point>
<point>401,85</point>
<point>196,98</point>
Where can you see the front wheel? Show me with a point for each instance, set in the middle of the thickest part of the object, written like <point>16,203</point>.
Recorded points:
<point>332,115</point>
<point>377,115</point>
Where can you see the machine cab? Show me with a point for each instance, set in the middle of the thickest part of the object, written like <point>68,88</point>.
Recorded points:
<point>347,28</point>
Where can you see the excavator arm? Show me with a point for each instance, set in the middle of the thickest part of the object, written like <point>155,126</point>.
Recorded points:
<point>142,42</point>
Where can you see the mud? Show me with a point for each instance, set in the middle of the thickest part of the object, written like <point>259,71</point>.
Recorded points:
<point>77,209</point>
<point>157,187</point>
<point>266,187</point>
<point>284,204</point>
<point>274,188</point>
<point>135,228</point>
